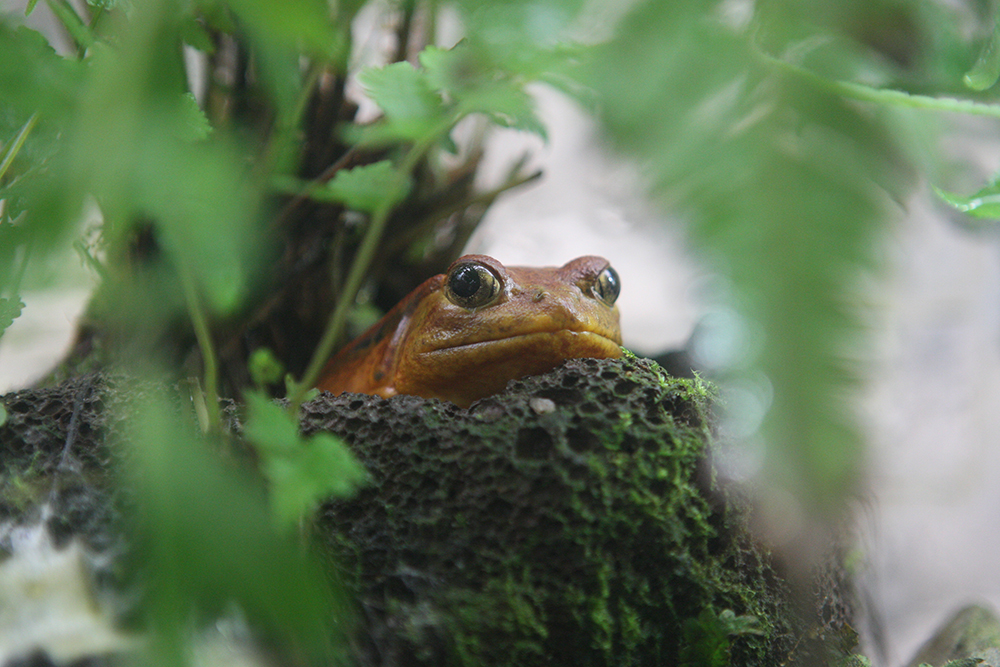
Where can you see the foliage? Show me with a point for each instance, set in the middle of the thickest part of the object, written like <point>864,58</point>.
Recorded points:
<point>245,209</point>
<point>750,126</point>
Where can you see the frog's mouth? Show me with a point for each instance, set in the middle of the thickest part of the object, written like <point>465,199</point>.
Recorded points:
<point>557,344</point>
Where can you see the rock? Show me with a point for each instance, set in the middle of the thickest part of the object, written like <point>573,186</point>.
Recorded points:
<point>574,519</point>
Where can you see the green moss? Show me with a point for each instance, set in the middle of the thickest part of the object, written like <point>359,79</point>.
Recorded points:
<point>588,535</point>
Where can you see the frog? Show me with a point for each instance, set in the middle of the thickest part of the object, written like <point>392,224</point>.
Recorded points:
<point>464,334</point>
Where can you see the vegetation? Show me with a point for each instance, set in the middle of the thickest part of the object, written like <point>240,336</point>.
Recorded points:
<point>250,221</point>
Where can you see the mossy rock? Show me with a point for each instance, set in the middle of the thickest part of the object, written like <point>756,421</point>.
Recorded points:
<point>574,519</point>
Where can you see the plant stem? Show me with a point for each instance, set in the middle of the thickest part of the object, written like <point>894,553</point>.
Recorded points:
<point>356,276</point>
<point>16,144</point>
<point>74,25</point>
<point>204,336</point>
<point>863,93</point>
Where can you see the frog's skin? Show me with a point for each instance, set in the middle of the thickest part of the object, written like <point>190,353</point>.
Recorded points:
<point>462,335</point>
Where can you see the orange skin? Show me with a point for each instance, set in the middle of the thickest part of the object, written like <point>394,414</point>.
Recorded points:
<point>430,346</point>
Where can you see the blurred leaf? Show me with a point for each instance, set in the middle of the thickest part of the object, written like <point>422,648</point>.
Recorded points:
<point>35,80</point>
<point>10,310</point>
<point>322,468</point>
<point>194,121</point>
<point>72,23</point>
<point>366,188</point>
<point>265,368</point>
<point>404,94</point>
<point>517,34</point>
<point>982,204</point>
<point>206,540</point>
<point>986,71</point>
<point>786,187</point>
<point>302,471</point>
<point>132,149</point>
<point>296,24</point>
<point>475,87</point>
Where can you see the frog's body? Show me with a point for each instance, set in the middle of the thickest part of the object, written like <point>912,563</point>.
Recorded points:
<point>462,335</point>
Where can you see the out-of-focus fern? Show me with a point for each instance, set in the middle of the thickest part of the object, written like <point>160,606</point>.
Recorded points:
<point>784,185</point>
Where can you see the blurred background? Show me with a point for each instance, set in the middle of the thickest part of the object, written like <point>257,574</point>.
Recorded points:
<point>928,526</point>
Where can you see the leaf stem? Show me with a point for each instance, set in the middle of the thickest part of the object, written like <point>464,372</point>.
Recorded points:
<point>863,93</point>
<point>16,144</point>
<point>203,334</point>
<point>74,25</point>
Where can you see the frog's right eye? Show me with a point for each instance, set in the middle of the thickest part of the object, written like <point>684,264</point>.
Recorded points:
<point>471,285</point>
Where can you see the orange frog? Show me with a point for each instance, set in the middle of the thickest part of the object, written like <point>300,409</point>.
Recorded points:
<point>464,334</point>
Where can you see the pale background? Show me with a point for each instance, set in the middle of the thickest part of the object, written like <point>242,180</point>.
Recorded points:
<point>931,527</point>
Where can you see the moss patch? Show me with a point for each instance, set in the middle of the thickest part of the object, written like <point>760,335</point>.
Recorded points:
<point>571,520</point>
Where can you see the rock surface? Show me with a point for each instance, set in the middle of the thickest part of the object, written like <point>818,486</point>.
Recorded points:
<point>574,519</point>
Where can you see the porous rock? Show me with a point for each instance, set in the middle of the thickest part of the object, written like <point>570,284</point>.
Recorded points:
<point>573,519</point>
<point>590,532</point>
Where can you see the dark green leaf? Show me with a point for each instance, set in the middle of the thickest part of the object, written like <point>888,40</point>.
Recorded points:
<point>706,641</point>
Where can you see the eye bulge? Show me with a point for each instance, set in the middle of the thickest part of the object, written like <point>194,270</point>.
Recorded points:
<point>607,286</point>
<point>472,285</point>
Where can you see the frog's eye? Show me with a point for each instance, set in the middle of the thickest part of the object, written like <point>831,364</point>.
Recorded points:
<point>472,285</point>
<point>607,286</point>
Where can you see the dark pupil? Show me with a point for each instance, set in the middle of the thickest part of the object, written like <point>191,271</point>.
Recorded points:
<point>465,281</point>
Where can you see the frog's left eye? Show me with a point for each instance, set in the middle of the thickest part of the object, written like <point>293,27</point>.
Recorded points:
<point>471,285</point>
<point>607,286</point>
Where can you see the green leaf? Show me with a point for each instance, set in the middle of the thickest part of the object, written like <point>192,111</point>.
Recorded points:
<point>269,427</point>
<point>195,124</point>
<point>412,108</point>
<point>10,310</point>
<point>292,23</point>
<point>982,204</point>
<point>507,104</point>
<point>265,367</point>
<point>322,467</point>
<point>367,188</point>
<point>3,414</point>
<point>206,541</point>
<point>475,87</point>
<point>302,471</point>
<point>986,71</point>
